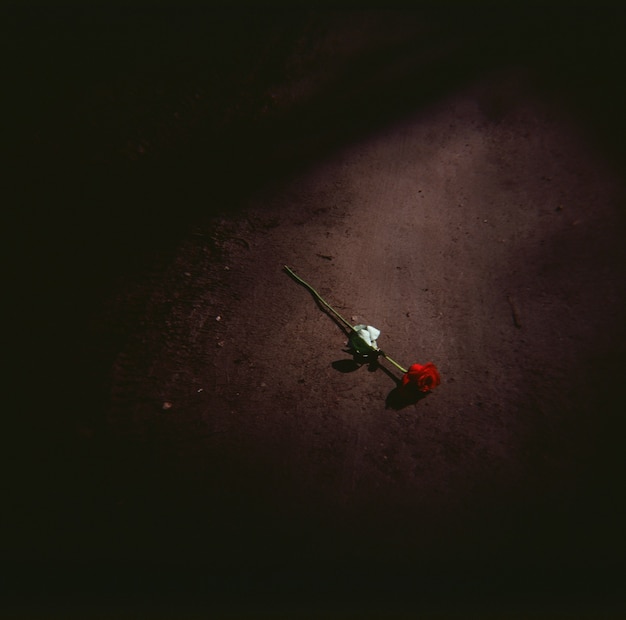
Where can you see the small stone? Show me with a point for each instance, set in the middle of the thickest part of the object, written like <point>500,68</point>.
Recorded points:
<point>226,268</point>
<point>221,343</point>
<point>167,405</point>
<point>218,318</point>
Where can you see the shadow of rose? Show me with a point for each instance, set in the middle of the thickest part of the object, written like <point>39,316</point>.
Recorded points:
<point>346,365</point>
<point>357,362</point>
<point>401,397</point>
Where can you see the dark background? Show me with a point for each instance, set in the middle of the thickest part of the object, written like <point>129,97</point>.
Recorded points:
<point>85,206</point>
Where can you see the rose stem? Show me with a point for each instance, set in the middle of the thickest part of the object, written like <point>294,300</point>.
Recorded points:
<point>319,297</point>
<point>394,363</point>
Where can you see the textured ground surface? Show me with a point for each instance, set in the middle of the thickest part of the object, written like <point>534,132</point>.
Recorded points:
<point>200,440</point>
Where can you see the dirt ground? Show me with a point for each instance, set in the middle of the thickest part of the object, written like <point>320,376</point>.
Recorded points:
<point>192,438</point>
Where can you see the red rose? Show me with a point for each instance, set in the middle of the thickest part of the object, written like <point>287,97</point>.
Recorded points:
<point>423,377</point>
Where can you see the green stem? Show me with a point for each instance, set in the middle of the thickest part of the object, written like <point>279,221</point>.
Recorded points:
<point>325,303</point>
<point>319,297</point>
<point>393,362</point>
